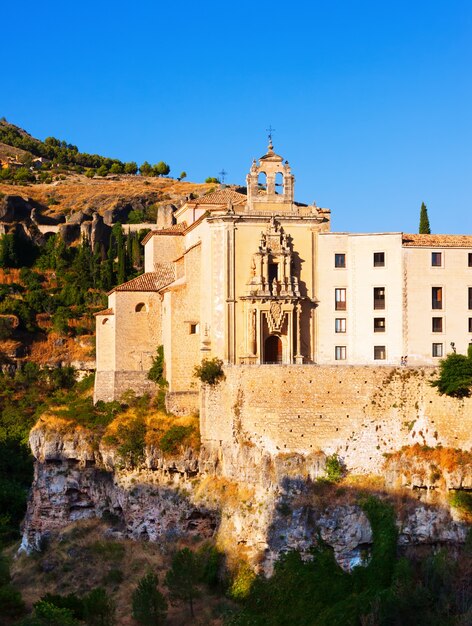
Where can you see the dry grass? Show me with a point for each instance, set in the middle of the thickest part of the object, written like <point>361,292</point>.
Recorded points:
<point>447,459</point>
<point>82,559</point>
<point>223,492</point>
<point>53,348</point>
<point>79,192</point>
<point>9,276</point>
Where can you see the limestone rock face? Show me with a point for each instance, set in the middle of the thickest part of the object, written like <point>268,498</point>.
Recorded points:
<point>14,209</point>
<point>245,498</point>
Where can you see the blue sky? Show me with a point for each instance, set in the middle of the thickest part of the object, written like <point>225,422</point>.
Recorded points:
<point>371,101</point>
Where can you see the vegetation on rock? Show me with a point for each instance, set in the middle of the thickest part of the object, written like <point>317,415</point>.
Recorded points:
<point>455,375</point>
<point>210,371</point>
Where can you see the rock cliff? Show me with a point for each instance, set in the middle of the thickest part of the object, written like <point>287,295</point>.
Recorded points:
<point>254,505</point>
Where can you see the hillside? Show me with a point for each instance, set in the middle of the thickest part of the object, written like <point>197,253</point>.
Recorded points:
<point>77,192</point>
<point>59,179</point>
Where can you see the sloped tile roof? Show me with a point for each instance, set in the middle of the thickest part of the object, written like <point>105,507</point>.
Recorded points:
<point>175,229</point>
<point>223,196</point>
<point>150,281</point>
<point>105,312</point>
<point>437,241</point>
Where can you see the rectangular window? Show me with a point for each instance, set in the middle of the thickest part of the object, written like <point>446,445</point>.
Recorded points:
<point>470,297</point>
<point>379,259</point>
<point>340,353</point>
<point>470,324</point>
<point>379,324</point>
<point>379,297</point>
<point>340,325</point>
<point>380,353</point>
<point>437,297</point>
<point>436,259</point>
<point>340,299</point>
<point>339,260</point>
<point>437,326</point>
<point>193,329</point>
<point>469,257</point>
<point>437,349</point>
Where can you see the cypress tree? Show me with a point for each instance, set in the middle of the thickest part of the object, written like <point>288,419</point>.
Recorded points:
<point>121,254</point>
<point>424,221</point>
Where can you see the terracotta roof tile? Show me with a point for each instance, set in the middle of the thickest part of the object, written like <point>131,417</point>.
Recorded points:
<point>175,229</point>
<point>437,241</point>
<point>150,281</point>
<point>105,312</point>
<point>223,196</point>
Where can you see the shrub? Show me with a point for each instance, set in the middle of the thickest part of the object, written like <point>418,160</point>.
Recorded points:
<point>11,602</point>
<point>334,468</point>
<point>461,500</point>
<point>210,372</point>
<point>130,437</point>
<point>174,438</point>
<point>156,373</point>
<point>71,602</point>
<point>242,582</point>
<point>136,217</point>
<point>455,376</point>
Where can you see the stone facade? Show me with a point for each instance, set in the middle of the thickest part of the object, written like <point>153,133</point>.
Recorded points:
<point>359,413</point>
<point>259,278</point>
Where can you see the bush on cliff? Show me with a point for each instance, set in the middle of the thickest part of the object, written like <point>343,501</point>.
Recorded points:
<point>210,371</point>
<point>455,375</point>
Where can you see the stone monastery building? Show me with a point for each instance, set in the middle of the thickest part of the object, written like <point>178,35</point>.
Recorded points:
<point>259,278</point>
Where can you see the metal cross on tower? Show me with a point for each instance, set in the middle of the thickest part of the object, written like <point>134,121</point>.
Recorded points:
<point>222,175</point>
<point>270,130</point>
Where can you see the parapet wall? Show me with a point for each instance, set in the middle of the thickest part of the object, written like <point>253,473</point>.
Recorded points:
<point>112,385</point>
<point>358,412</point>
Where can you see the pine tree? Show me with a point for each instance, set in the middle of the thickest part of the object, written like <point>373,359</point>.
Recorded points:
<point>149,605</point>
<point>424,221</point>
<point>183,577</point>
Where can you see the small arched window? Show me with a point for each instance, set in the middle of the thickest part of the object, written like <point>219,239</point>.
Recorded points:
<point>140,307</point>
<point>279,183</point>
<point>105,320</point>
<point>262,181</point>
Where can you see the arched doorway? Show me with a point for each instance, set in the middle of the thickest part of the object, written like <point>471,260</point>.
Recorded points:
<point>273,349</point>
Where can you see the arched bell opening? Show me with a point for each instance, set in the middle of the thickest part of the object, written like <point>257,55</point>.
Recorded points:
<point>279,184</point>
<point>262,182</point>
<point>273,349</point>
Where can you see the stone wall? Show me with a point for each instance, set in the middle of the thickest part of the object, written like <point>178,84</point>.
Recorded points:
<point>360,413</point>
<point>112,385</point>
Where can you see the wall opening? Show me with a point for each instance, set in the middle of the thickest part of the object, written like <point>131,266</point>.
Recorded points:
<point>140,307</point>
<point>279,183</point>
<point>273,272</point>
<point>262,181</point>
<point>273,349</point>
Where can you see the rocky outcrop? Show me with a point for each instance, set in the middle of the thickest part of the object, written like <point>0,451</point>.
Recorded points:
<point>254,505</point>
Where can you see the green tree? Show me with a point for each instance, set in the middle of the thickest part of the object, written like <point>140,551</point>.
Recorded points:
<point>102,170</point>
<point>149,605</point>
<point>161,169</point>
<point>183,577</point>
<point>424,221</point>
<point>211,179</point>
<point>131,167</point>
<point>99,608</point>
<point>89,172</point>
<point>145,169</point>
<point>455,375</point>
<point>47,614</point>
<point>116,168</point>
<point>182,175</point>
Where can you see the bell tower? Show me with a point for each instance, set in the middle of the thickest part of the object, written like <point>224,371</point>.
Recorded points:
<point>270,184</point>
